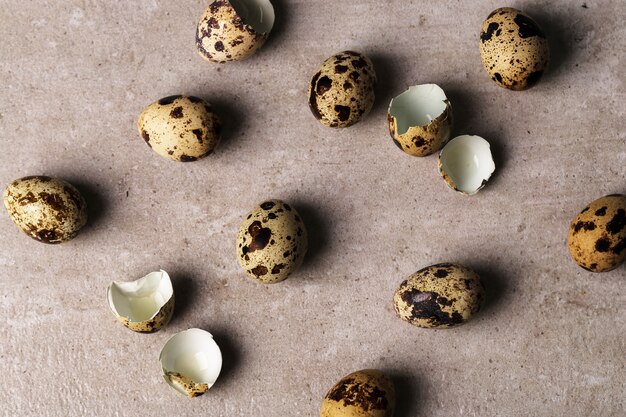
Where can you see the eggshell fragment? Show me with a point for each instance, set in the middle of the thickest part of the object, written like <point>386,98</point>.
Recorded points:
<point>597,235</point>
<point>191,362</point>
<point>466,164</point>
<point>366,393</point>
<point>420,119</point>
<point>145,305</point>
<point>233,30</point>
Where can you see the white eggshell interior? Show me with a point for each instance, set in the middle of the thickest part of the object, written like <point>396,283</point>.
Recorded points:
<point>417,106</point>
<point>467,160</point>
<point>192,353</point>
<point>257,13</point>
<point>141,299</point>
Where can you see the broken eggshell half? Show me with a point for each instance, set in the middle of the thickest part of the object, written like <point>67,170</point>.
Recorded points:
<point>466,163</point>
<point>233,30</point>
<point>191,362</point>
<point>144,305</point>
<point>420,119</point>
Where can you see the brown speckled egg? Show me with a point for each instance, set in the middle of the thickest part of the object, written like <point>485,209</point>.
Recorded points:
<point>182,128</point>
<point>439,296</point>
<point>513,49</point>
<point>341,91</point>
<point>597,236</point>
<point>233,30</point>
<point>47,209</point>
<point>271,242</point>
<point>366,393</point>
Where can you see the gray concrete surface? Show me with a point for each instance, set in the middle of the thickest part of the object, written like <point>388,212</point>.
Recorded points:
<point>75,76</point>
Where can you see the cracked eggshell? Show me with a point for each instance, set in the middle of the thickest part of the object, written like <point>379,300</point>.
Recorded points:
<point>233,30</point>
<point>439,296</point>
<point>420,119</point>
<point>145,305</point>
<point>271,242</point>
<point>191,362</point>
<point>181,128</point>
<point>366,393</point>
<point>466,164</point>
<point>513,49</point>
<point>47,209</point>
<point>597,235</point>
<point>341,91</point>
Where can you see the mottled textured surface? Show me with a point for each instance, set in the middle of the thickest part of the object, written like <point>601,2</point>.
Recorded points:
<point>76,75</point>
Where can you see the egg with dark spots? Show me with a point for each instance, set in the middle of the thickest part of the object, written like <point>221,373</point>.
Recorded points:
<point>47,209</point>
<point>181,128</point>
<point>597,235</point>
<point>439,296</point>
<point>271,242</point>
<point>341,92</point>
<point>366,393</point>
<point>513,48</point>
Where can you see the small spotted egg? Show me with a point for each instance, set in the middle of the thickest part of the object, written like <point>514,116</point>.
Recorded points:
<point>597,235</point>
<point>182,128</point>
<point>271,242</point>
<point>513,49</point>
<point>341,91</point>
<point>439,296</point>
<point>366,393</point>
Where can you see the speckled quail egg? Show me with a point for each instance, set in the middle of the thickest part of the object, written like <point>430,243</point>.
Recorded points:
<point>439,296</point>
<point>366,393</point>
<point>597,236</point>
<point>47,209</point>
<point>513,49</point>
<point>182,128</point>
<point>466,164</point>
<point>341,91</point>
<point>420,120</point>
<point>271,242</point>
<point>232,30</point>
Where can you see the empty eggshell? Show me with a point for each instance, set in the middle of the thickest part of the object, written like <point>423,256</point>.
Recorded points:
<point>466,163</point>
<point>513,49</point>
<point>191,362</point>
<point>420,119</point>
<point>47,209</point>
<point>366,393</point>
<point>232,30</point>
<point>181,128</point>
<point>144,305</point>
<point>597,235</point>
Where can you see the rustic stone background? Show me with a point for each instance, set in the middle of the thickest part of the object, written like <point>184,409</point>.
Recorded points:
<point>76,74</point>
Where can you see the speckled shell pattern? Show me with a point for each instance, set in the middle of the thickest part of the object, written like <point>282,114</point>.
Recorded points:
<point>513,49</point>
<point>439,296</point>
<point>154,324</point>
<point>597,236</point>
<point>222,36</point>
<point>47,209</point>
<point>181,128</point>
<point>423,140</point>
<point>191,388</point>
<point>449,182</point>
<point>342,90</point>
<point>367,393</point>
<point>271,242</point>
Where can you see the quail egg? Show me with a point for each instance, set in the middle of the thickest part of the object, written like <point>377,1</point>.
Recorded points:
<point>232,30</point>
<point>47,209</point>
<point>466,164</point>
<point>366,393</point>
<point>439,296</point>
<point>513,49</point>
<point>271,242</point>
<point>341,91</point>
<point>597,235</point>
<point>181,128</point>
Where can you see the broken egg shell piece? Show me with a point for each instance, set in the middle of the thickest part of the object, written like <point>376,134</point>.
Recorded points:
<point>144,305</point>
<point>420,119</point>
<point>466,163</point>
<point>233,30</point>
<point>191,362</point>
